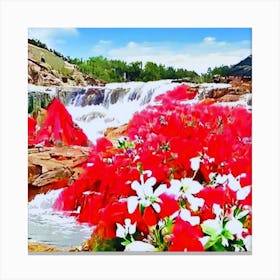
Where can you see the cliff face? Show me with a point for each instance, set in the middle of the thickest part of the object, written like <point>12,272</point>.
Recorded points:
<point>47,69</point>
<point>243,68</point>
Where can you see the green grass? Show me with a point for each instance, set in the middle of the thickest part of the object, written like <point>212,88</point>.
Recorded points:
<point>55,62</point>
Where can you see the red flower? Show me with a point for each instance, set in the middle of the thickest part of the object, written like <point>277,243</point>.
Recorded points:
<point>59,128</point>
<point>150,217</point>
<point>168,205</point>
<point>186,237</point>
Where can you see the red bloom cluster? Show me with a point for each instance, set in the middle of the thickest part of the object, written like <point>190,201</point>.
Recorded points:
<point>162,140</point>
<point>58,128</point>
<point>31,130</point>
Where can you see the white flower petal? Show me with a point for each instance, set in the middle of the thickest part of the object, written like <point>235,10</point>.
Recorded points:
<point>186,216</point>
<point>234,226</point>
<point>132,203</point>
<point>135,185</point>
<point>160,190</point>
<point>221,179</point>
<point>248,242</point>
<point>217,210</point>
<point>151,182</point>
<point>204,240</point>
<point>132,228</point>
<point>194,220</point>
<point>195,202</point>
<point>243,193</point>
<point>233,183</point>
<point>139,246</point>
<point>120,232</point>
<point>214,224</point>
<point>195,187</point>
<point>156,206</point>
<point>175,186</point>
<point>195,163</point>
<point>148,190</point>
<point>127,222</point>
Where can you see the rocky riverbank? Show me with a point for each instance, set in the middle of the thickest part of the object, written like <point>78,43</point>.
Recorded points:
<point>52,168</point>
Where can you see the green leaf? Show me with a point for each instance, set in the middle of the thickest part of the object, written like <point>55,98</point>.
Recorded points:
<point>169,224</point>
<point>126,242</point>
<point>212,241</point>
<point>227,234</point>
<point>208,230</point>
<point>218,247</point>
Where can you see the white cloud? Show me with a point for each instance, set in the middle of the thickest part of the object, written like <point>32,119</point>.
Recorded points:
<point>209,39</point>
<point>52,37</point>
<point>103,46</point>
<point>197,57</point>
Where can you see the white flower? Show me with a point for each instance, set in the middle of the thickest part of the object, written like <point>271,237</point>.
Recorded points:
<point>204,240</point>
<point>186,187</point>
<point>195,163</point>
<point>186,216</point>
<point>248,242</point>
<point>146,196</point>
<point>242,193</point>
<point>217,210</point>
<point>233,183</point>
<point>128,228</point>
<point>214,224</point>
<point>140,246</point>
<point>235,227</point>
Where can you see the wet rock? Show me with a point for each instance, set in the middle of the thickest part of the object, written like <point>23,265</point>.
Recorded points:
<point>239,87</point>
<point>91,116</point>
<point>229,98</point>
<point>113,133</point>
<point>38,247</point>
<point>53,168</point>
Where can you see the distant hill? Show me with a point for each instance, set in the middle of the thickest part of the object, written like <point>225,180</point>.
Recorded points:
<point>45,68</point>
<point>243,68</point>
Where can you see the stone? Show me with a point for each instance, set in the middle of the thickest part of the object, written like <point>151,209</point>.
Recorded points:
<point>229,98</point>
<point>113,133</point>
<point>39,247</point>
<point>53,168</point>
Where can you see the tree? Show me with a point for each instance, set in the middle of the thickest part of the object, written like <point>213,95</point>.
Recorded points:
<point>151,72</point>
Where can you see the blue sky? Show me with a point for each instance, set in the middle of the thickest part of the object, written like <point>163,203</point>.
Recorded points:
<point>190,48</point>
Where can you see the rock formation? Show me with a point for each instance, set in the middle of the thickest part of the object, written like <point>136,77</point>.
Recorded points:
<point>53,168</point>
<point>243,68</point>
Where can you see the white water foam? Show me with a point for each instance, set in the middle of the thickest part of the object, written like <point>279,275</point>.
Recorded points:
<point>53,227</point>
<point>121,112</point>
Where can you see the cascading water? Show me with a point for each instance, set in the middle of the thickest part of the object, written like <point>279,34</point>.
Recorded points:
<point>98,108</point>
<point>54,228</point>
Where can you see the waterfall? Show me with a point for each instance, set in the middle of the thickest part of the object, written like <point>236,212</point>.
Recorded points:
<point>95,108</point>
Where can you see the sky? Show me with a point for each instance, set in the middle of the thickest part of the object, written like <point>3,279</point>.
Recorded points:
<point>194,49</point>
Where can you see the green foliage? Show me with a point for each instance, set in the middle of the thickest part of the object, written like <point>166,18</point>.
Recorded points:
<point>37,43</point>
<point>119,71</point>
<point>209,75</point>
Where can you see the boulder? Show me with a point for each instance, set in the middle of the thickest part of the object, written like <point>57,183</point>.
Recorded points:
<point>53,168</point>
<point>113,133</point>
<point>229,98</point>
